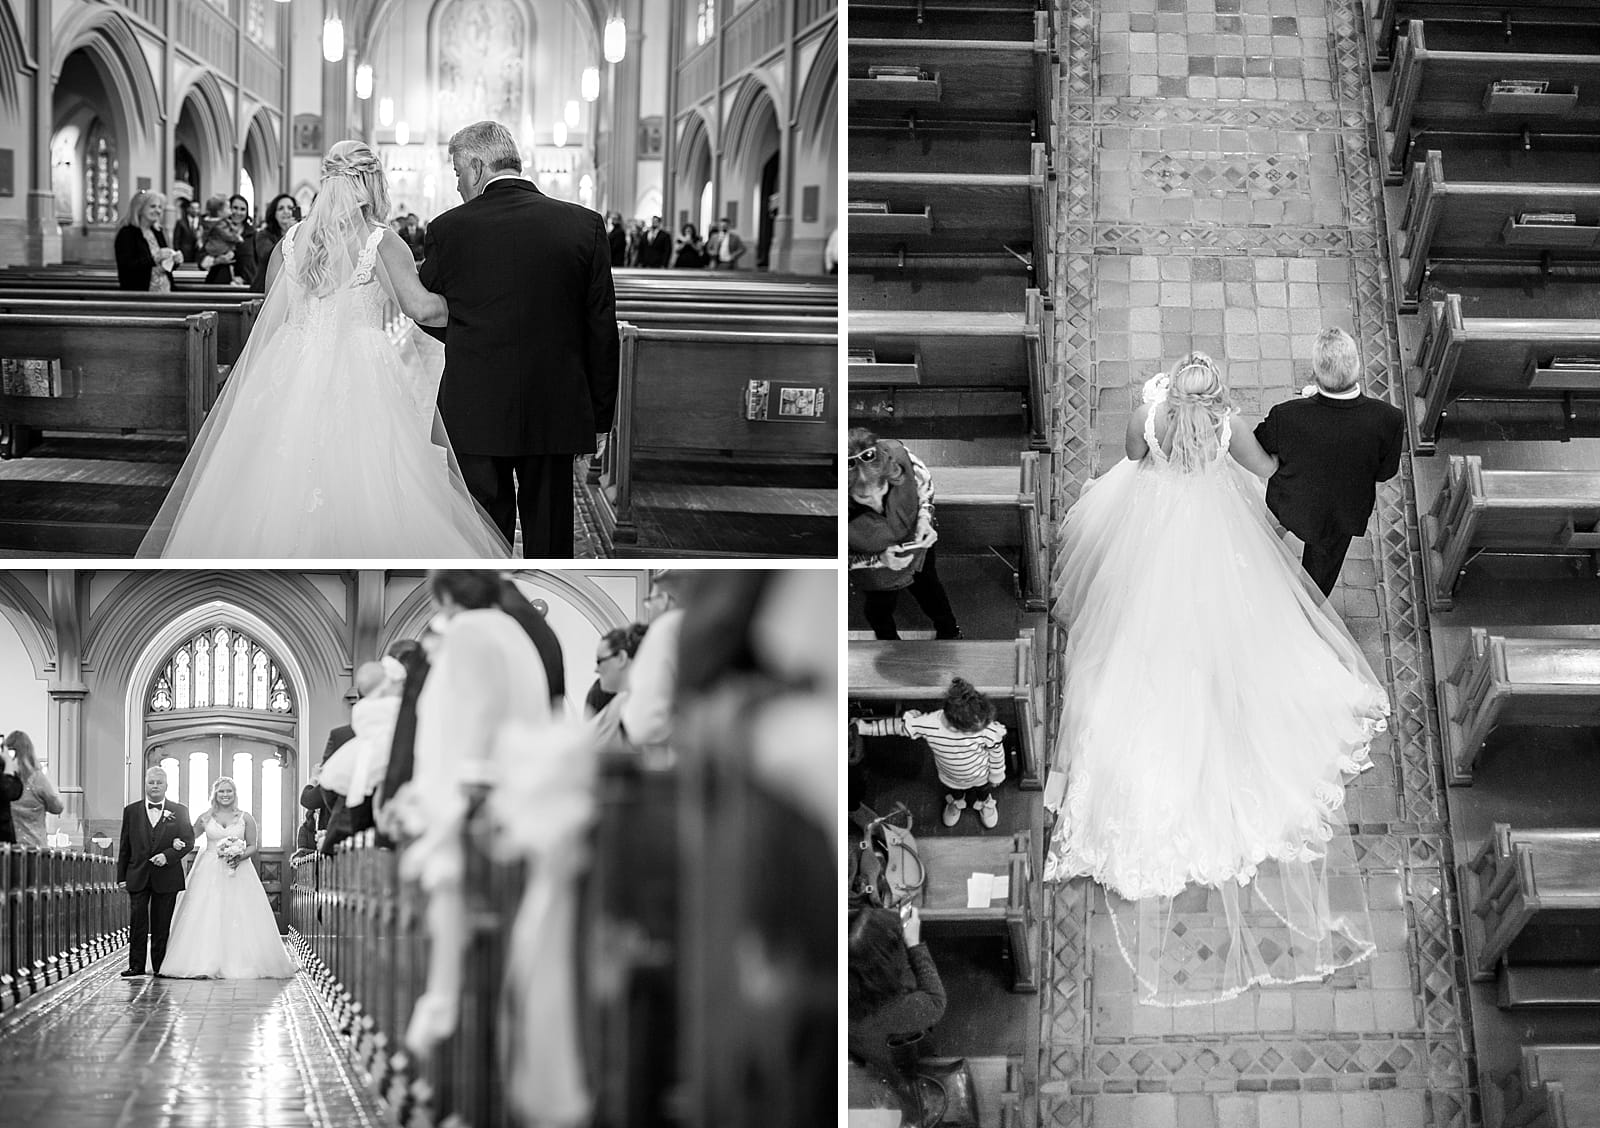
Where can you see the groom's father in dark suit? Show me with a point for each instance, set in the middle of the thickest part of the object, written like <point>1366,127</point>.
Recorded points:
<point>1334,445</point>
<point>530,375</point>
<point>155,836</point>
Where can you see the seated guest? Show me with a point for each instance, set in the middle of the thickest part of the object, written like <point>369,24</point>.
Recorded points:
<point>39,796</point>
<point>894,994</point>
<point>892,534</point>
<point>144,261</point>
<point>646,714</point>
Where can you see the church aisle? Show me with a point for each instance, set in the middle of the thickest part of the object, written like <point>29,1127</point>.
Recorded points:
<point>1218,190</point>
<point>100,1050</point>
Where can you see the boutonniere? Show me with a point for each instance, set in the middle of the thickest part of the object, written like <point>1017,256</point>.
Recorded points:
<point>166,816</point>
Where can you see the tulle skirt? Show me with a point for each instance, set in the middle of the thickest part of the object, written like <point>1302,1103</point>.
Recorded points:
<point>1211,704</point>
<point>223,927</point>
<point>325,444</point>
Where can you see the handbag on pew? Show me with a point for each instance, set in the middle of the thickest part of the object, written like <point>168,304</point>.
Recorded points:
<point>885,868</point>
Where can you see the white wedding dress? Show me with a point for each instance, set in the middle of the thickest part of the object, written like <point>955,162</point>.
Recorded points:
<point>1211,703</point>
<point>223,927</point>
<point>325,441</point>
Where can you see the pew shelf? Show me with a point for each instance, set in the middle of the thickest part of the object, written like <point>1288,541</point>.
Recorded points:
<point>986,507</point>
<point>1555,1086</point>
<point>950,860</point>
<point>1528,896</point>
<point>1522,676</point>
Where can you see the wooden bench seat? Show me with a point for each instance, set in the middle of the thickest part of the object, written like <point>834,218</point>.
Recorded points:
<point>234,319</point>
<point>697,395</point>
<point>1009,671</point>
<point>991,80</point>
<point>1540,512</point>
<point>950,860</point>
<point>1516,676</point>
<point>1450,90</point>
<point>961,349</point>
<point>984,507</point>
<point>1525,987</point>
<point>1532,897</point>
<point>950,212</point>
<point>1556,1086</point>
<point>1500,357</point>
<point>1476,221</point>
<point>731,322</point>
<point>1390,16</point>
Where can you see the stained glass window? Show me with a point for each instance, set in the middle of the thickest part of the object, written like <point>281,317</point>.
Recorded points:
<point>100,189</point>
<point>220,667</point>
<point>705,20</point>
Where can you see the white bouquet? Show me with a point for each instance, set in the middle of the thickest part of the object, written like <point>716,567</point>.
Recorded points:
<point>232,851</point>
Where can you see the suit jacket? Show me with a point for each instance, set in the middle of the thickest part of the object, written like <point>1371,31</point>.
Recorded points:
<point>656,249</point>
<point>134,260</point>
<point>142,842</point>
<point>10,792</point>
<point>1332,453</point>
<point>531,348</point>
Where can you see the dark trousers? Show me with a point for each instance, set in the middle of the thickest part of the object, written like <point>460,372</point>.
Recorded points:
<point>972,795</point>
<point>878,606</point>
<point>1322,561</point>
<point>536,486</point>
<point>151,923</point>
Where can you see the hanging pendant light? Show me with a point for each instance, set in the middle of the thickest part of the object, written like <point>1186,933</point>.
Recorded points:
<point>574,114</point>
<point>616,40</point>
<point>333,39</point>
<point>386,112</point>
<point>591,83</point>
<point>364,81</point>
<point>560,134</point>
<point>402,133</point>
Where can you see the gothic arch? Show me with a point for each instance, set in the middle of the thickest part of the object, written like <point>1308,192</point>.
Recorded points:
<point>32,621</point>
<point>746,113</point>
<point>114,50</point>
<point>817,113</point>
<point>695,161</point>
<point>213,122</point>
<point>15,60</point>
<point>261,144</point>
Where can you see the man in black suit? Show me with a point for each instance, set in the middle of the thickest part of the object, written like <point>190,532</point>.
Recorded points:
<point>156,834</point>
<point>656,250</point>
<point>1334,445</point>
<point>530,376</point>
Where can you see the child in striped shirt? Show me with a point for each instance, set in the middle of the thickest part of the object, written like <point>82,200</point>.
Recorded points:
<point>967,744</point>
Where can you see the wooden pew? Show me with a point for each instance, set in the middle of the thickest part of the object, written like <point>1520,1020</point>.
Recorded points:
<point>1555,1087</point>
<point>1010,671</point>
<point>1516,676</point>
<point>1451,90</point>
<point>1477,220</point>
<point>125,373</point>
<point>1531,898</point>
<point>234,319</point>
<point>954,211</point>
<point>968,78</point>
<point>950,348</point>
<point>689,395</point>
<point>1503,357</point>
<point>950,860</point>
<point>1528,512</point>
<point>984,507</point>
<point>1513,21</point>
<point>726,322</point>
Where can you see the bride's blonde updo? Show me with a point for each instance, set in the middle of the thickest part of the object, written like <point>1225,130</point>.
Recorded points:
<point>1198,400</point>
<point>353,195</point>
<point>355,161</point>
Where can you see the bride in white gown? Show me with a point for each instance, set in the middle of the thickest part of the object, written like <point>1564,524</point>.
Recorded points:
<point>1211,702</point>
<point>326,441</point>
<point>223,927</point>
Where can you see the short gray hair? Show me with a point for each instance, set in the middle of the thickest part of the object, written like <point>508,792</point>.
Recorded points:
<point>1335,360</point>
<point>491,143</point>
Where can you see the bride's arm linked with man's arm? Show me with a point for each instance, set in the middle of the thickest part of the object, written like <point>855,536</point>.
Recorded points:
<point>421,305</point>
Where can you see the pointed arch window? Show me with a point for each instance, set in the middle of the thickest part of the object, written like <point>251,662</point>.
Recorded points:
<point>100,190</point>
<point>220,667</point>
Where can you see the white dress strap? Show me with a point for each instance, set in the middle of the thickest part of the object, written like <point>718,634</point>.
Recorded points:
<point>1150,433</point>
<point>369,258</point>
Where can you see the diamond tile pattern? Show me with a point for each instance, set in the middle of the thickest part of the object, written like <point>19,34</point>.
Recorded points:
<point>1217,189</point>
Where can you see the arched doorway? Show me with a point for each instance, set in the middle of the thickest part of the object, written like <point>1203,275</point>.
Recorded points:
<point>260,179</point>
<point>755,143</point>
<point>694,192</point>
<point>87,148</point>
<point>202,146</point>
<point>220,705</point>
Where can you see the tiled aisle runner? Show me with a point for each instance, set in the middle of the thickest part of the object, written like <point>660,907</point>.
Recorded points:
<point>107,1052</point>
<point>1218,189</point>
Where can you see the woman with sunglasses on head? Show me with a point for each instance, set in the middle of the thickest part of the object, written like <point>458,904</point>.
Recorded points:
<point>892,534</point>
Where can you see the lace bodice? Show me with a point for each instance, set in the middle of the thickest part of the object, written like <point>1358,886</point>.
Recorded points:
<point>1162,459</point>
<point>357,301</point>
<point>216,830</point>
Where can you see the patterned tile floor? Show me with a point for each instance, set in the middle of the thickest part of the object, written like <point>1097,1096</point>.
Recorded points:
<point>1217,189</point>
<point>104,1052</point>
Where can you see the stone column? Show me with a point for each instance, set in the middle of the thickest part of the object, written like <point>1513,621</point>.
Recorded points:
<point>625,114</point>
<point>44,233</point>
<point>336,83</point>
<point>67,691</point>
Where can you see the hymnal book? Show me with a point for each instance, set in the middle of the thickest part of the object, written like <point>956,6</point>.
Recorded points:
<point>896,74</point>
<point>1548,219</point>
<point>1575,362</point>
<point>30,376</point>
<point>801,403</point>
<point>876,207</point>
<point>863,356</point>
<point>1520,86</point>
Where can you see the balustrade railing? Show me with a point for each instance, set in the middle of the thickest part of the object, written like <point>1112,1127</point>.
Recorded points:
<point>59,912</point>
